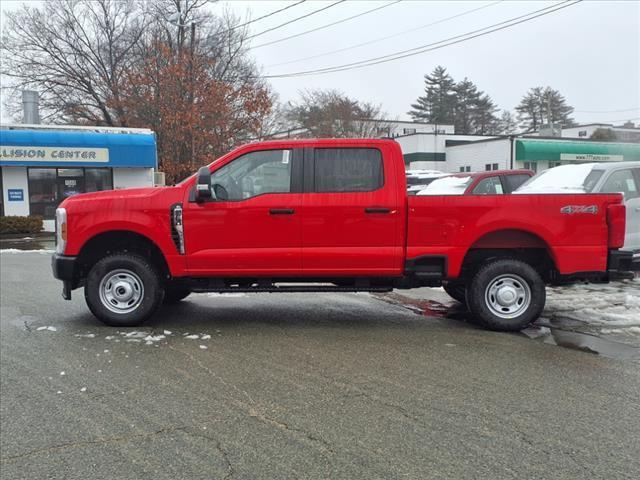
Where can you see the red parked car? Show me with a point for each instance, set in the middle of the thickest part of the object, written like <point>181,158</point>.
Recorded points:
<point>493,182</point>
<point>329,215</point>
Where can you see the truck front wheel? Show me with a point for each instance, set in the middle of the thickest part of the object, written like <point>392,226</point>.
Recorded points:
<point>506,295</point>
<point>123,290</point>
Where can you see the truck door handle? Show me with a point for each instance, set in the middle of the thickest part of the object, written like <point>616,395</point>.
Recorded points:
<point>282,211</point>
<point>377,210</point>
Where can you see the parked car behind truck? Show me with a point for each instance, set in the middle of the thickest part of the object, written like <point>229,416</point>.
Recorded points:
<point>329,215</point>
<point>494,182</point>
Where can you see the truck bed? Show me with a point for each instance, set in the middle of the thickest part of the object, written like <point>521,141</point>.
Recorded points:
<point>573,227</point>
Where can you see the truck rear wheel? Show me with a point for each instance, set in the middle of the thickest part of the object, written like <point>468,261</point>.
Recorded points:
<point>506,295</point>
<point>456,290</point>
<point>123,290</point>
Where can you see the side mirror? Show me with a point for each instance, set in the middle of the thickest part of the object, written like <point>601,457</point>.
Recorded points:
<point>203,185</point>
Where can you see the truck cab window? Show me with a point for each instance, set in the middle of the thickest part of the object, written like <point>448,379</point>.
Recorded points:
<point>253,174</point>
<point>348,170</point>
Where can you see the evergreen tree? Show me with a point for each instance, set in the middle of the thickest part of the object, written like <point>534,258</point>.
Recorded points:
<point>466,106</point>
<point>507,123</point>
<point>485,121</point>
<point>543,105</point>
<point>437,105</point>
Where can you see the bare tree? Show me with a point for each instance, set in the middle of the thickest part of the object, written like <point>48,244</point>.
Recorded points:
<point>79,54</point>
<point>75,54</point>
<point>330,113</point>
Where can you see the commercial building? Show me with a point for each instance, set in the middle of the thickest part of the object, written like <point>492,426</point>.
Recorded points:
<point>42,165</point>
<point>626,133</point>
<point>471,153</point>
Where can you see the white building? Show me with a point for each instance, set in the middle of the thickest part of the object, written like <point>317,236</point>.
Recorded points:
<point>42,165</point>
<point>623,133</point>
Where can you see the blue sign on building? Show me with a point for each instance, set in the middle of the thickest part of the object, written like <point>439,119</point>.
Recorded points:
<point>15,194</point>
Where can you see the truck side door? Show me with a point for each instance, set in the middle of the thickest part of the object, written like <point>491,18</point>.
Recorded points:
<point>352,216</point>
<point>252,227</point>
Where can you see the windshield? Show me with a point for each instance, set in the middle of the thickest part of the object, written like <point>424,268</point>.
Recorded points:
<point>447,186</point>
<point>563,179</point>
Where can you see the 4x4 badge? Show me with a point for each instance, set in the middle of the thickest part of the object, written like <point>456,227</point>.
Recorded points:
<point>571,209</point>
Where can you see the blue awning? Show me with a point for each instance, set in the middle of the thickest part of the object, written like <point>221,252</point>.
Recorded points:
<point>43,148</point>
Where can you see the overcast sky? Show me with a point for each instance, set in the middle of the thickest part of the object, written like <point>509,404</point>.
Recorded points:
<point>590,51</point>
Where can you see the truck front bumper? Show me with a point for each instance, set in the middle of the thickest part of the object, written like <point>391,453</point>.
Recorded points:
<point>64,268</point>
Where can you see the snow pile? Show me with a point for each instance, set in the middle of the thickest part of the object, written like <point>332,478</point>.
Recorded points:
<point>446,186</point>
<point>562,179</point>
<point>615,305</point>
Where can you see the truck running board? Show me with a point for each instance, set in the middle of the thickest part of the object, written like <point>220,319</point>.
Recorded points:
<point>200,286</point>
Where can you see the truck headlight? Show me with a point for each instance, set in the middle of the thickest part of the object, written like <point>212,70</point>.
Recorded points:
<point>61,230</point>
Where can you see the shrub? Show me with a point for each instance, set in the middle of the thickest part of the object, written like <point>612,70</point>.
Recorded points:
<point>30,224</point>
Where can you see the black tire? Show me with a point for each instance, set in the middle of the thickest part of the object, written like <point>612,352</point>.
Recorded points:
<point>173,294</point>
<point>510,279</point>
<point>123,273</point>
<point>456,290</point>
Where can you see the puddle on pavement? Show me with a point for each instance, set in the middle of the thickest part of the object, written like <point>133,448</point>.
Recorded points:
<point>29,243</point>
<point>555,331</point>
<point>592,344</point>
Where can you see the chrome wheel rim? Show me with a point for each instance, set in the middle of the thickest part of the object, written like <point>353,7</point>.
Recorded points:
<point>508,296</point>
<point>121,291</point>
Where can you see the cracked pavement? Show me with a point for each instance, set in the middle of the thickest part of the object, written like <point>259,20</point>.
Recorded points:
<point>297,386</point>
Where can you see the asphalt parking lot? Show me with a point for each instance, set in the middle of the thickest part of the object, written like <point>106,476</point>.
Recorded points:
<point>296,386</point>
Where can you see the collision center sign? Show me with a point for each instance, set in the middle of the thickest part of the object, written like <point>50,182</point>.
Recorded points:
<point>10,153</point>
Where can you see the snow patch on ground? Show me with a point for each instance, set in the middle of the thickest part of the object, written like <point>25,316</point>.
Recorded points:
<point>17,250</point>
<point>228,294</point>
<point>47,328</point>
<point>611,305</point>
<point>85,335</point>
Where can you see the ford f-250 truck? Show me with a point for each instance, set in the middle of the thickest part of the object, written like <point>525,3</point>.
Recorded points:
<point>329,215</point>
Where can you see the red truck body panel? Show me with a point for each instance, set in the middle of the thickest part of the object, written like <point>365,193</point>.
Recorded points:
<point>452,224</point>
<point>340,233</point>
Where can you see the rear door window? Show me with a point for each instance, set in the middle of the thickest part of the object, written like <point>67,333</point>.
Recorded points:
<point>347,169</point>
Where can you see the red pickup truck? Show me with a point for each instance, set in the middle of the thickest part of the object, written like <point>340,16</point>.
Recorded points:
<point>329,215</point>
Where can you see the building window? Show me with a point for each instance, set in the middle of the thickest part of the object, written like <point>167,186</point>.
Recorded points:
<point>487,167</point>
<point>533,166</point>
<point>495,166</point>
<point>462,169</point>
<point>48,187</point>
<point>467,168</point>
<point>408,131</point>
<point>554,164</point>
<point>348,170</point>
<point>582,133</point>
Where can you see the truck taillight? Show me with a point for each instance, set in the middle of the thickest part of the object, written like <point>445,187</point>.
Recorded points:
<point>616,223</point>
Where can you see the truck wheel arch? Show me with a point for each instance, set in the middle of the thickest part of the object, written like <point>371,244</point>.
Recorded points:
<point>105,243</point>
<point>512,243</point>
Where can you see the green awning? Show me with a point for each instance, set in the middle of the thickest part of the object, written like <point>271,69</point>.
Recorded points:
<point>572,151</point>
